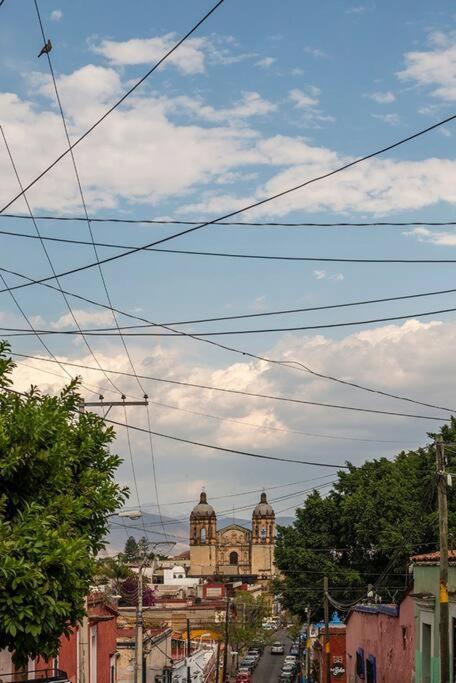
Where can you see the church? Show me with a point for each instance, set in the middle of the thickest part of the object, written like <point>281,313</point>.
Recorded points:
<point>234,550</point>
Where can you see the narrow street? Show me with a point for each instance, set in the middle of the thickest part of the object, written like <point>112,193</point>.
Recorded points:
<point>268,669</point>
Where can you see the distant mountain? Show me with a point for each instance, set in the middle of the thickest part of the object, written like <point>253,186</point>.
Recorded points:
<point>121,528</point>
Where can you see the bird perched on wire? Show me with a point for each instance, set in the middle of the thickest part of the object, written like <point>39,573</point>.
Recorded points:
<point>46,48</point>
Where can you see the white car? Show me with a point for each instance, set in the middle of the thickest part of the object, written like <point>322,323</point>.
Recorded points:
<point>277,648</point>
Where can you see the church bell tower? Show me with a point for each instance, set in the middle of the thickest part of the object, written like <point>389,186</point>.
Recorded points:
<point>203,538</point>
<point>263,539</point>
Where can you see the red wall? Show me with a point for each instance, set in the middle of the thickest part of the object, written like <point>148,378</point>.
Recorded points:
<point>391,640</point>
<point>106,640</point>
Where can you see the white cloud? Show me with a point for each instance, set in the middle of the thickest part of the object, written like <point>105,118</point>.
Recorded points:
<point>56,15</point>
<point>189,59</point>
<point>323,275</point>
<point>359,9</point>
<point>84,318</point>
<point>319,274</point>
<point>265,62</point>
<point>390,119</point>
<point>382,97</point>
<point>307,102</point>
<point>435,67</point>
<point>315,52</point>
<point>251,104</point>
<point>440,237</point>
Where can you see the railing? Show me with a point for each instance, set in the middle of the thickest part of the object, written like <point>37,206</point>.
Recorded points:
<point>44,675</point>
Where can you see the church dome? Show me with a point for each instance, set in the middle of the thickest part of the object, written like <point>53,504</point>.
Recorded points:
<point>263,509</point>
<point>203,509</point>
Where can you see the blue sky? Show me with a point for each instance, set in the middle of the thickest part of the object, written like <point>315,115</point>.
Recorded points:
<point>264,96</point>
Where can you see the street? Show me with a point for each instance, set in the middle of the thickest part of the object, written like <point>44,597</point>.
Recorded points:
<point>268,669</point>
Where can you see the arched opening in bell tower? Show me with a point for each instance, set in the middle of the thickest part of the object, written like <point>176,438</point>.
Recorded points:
<point>234,557</point>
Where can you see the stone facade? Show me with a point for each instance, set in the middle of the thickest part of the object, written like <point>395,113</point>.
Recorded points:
<point>232,550</point>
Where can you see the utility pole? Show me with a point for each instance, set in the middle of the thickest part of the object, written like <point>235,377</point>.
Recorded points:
<point>227,635</point>
<point>217,665</point>
<point>189,653</point>
<point>308,646</point>
<point>327,638</point>
<point>139,629</point>
<point>442,490</point>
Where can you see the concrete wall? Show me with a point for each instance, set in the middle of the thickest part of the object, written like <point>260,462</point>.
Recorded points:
<point>390,639</point>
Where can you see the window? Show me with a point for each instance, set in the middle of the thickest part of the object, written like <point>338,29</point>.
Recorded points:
<point>371,670</point>
<point>426,639</point>
<point>263,534</point>
<point>93,654</point>
<point>234,559</point>
<point>203,535</point>
<point>360,664</point>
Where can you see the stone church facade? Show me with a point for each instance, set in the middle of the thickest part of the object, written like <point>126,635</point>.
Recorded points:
<point>233,550</point>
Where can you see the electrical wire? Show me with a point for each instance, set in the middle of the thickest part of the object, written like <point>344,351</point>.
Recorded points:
<point>84,205</point>
<point>297,365</point>
<point>155,221</point>
<point>117,103</point>
<point>239,392</point>
<point>221,333</point>
<point>265,257</point>
<point>49,260</point>
<point>243,209</point>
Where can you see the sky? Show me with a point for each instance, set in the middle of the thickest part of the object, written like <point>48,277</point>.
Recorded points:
<point>261,98</point>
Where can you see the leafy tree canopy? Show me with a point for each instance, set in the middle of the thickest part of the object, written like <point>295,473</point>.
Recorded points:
<point>364,531</point>
<point>56,489</point>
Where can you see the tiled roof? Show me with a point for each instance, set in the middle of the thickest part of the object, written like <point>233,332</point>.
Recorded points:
<point>434,557</point>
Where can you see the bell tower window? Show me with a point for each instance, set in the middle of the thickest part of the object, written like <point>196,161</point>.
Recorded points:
<point>203,535</point>
<point>234,558</point>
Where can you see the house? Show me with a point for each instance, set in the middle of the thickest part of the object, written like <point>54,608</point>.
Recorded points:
<point>380,640</point>
<point>157,654</point>
<point>427,615</point>
<point>100,651</point>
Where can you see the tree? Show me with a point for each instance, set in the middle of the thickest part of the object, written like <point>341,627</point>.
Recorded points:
<point>131,549</point>
<point>364,531</point>
<point>56,490</point>
<point>246,626</point>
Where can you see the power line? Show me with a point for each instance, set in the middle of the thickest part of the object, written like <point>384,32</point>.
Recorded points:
<point>49,260</point>
<point>266,257</point>
<point>221,333</point>
<point>248,207</point>
<point>273,224</point>
<point>290,364</point>
<point>116,104</point>
<point>241,392</point>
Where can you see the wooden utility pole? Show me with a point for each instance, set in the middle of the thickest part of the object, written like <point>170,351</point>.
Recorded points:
<point>442,490</point>
<point>308,646</point>
<point>227,636</point>
<point>189,653</point>
<point>139,629</point>
<point>327,638</point>
<point>217,664</point>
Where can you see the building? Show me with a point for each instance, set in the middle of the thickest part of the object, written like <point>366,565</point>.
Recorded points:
<point>380,640</point>
<point>337,640</point>
<point>234,550</point>
<point>157,655</point>
<point>427,615</point>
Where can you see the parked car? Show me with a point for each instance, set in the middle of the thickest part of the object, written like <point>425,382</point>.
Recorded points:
<point>287,677</point>
<point>250,661</point>
<point>258,645</point>
<point>246,667</point>
<point>294,650</point>
<point>243,677</point>
<point>290,659</point>
<point>254,653</point>
<point>277,648</point>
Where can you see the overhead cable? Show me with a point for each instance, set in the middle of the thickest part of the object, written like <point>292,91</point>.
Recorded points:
<point>117,103</point>
<point>229,255</point>
<point>248,207</point>
<point>297,365</point>
<point>156,221</point>
<point>245,393</point>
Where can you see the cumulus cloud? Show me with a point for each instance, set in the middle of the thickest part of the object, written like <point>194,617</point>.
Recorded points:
<point>435,67</point>
<point>323,275</point>
<point>265,62</point>
<point>84,318</point>
<point>382,97</point>
<point>439,237</point>
<point>390,119</point>
<point>56,15</point>
<point>307,102</point>
<point>251,104</point>
<point>315,52</point>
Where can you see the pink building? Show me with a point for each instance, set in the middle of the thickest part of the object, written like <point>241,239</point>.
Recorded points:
<point>380,642</point>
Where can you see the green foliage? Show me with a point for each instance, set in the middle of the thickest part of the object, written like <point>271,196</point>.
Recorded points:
<point>56,489</point>
<point>131,549</point>
<point>375,517</point>
<point>245,628</point>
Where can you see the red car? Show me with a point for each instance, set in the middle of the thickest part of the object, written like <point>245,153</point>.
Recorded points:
<point>243,677</point>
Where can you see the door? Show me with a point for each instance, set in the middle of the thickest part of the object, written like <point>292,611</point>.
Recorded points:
<point>426,642</point>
